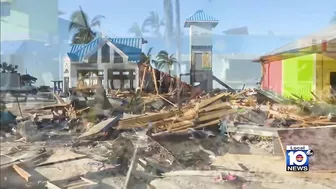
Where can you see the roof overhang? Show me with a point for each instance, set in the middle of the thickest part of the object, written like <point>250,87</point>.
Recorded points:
<point>213,24</point>
<point>326,47</point>
<point>321,42</point>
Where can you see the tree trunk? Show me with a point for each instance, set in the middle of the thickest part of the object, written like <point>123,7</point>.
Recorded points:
<point>168,13</point>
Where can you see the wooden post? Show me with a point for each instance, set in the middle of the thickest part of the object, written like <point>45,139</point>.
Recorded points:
<point>18,103</point>
<point>155,81</point>
<point>143,78</point>
<point>131,168</point>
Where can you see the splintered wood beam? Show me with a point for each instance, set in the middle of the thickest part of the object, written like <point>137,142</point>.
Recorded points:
<point>163,98</point>
<point>155,82</point>
<point>207,102</point>
<point>141,120</point>
<point>208,116</point>
<point>143,78</point>
<point>176,126</point>
<point>131,168</point>
<point>24,174</point>
<point>215,106</point>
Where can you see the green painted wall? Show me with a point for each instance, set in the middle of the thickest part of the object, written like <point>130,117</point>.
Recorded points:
<point>298,76</point>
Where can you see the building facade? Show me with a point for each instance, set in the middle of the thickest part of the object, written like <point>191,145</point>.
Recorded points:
<point>305,68</point>
<point>112,61</point>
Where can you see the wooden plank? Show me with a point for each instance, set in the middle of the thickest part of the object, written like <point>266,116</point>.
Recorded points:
<point>321,140</point>
<point>59,99</point>
<point>220,105</point>
<point>24,174</point>
<point>208,116</point>
<point>131,168</point>
<point>155,82</point>
<point>100,126</point>
<point>207,124</point>
<point>143,78</point>
<point>206,102</point>
<point>141,120</point>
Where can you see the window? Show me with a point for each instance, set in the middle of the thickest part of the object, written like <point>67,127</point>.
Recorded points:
<point>105,53</point>
<point>117,58</point>
<point>198,61</point>
<point>5,8</point>
<point>93,58</point>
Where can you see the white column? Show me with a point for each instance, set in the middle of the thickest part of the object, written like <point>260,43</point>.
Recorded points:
<point>105,82</point>
<point>99,56</point>
<point>73,76</point>
<point>136,84</point>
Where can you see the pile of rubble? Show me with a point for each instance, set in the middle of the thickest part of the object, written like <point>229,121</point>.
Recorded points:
<point>139,140</point>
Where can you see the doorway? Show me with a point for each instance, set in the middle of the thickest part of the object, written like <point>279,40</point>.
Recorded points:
<point>332,81</point>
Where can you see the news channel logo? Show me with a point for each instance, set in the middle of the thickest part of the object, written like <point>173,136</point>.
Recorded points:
<point>297,158</point>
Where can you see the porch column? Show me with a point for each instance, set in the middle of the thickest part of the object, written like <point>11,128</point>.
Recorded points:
<point>105,82</point>
<point>73,76</point>
<point>136,84</point>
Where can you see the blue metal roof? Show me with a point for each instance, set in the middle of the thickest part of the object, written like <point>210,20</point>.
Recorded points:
<point>131,42</point>
<point>132,47</point>
<point>75,48</point>
<point>200,16</point>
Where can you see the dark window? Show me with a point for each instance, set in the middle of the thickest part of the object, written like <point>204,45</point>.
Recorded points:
<point>117,58</point>
<point>333,83</point>
<point>5,8</point>
<point>93,58</point>
<point>105,54</point>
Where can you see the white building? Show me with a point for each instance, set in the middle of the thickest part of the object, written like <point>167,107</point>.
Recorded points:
<point>113,59</point>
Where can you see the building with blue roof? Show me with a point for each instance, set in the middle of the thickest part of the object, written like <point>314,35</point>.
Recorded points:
<point>232,55</point>
<point>110,59</point>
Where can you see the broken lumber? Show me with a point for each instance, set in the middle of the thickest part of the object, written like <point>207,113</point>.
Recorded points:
<point>211,100</point>
<point>24,174</point>
<point>103,125</point>
<point>139,121</point>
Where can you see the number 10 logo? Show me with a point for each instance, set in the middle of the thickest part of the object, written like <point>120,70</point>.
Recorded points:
<point>297,157</point>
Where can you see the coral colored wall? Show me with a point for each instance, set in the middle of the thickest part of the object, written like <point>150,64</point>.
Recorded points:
<point>272,79</point>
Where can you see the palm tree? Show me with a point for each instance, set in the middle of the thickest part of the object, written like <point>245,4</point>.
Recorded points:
<point>4,67</point>
<point>83,28</point>
<point>333,19</point>
<point>166,60</point>
<point>146,58</point>
<point>8,68</point>
<point>12,68</point>
<point>136,30</point>
<point>168,12</point>
<point>153,21</point>
<point>157,64</point>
